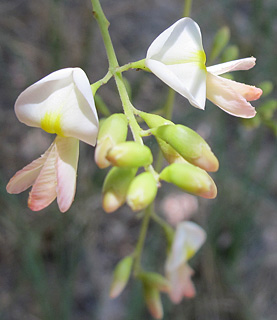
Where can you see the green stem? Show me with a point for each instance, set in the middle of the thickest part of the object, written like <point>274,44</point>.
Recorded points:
<point>187,8</point>
<point>96,85</point>
<point>141,240</point>
<point>140,65</point>
<point>168,107</point>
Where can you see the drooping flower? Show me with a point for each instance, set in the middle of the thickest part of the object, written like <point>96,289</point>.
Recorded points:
<point>61,103</point>
<point>189,237</point>
<point>177,57</point>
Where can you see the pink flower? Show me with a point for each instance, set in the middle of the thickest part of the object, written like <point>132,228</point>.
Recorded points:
<point>60,103</point>
<point>189,237</point>
<point>177,57</point>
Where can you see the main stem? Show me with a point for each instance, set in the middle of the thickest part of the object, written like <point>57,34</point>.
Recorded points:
<point>113,64</point>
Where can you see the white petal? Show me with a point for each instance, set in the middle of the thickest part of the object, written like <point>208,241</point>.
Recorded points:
<point>44,188</point>
<point>60,103</point>
<point>235,65</point>
<point>66,169</point>
<point>188,239</point>
<point>178,44</point>
<point>221,93</point>
<point>176,56</point>
<point>24,178</point>
<point>187,79</point>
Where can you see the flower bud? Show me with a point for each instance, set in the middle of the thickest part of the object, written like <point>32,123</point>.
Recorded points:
<point>191,179</point>
<point>221,39</point>
<point>130,154</point>
<point>142,191</point>
<point>121,276</point>
<point>155,280</point>
<point>189,144</point>
<point>115,187</point>
<point>113,130</point>
<point>153,301</point>
<point>230,53</point>
<point>154,120</point>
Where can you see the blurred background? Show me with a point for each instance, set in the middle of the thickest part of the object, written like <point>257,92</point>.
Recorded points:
<point>59,266</point>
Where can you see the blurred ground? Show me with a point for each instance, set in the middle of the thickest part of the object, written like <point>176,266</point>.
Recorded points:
<point>58,266</point>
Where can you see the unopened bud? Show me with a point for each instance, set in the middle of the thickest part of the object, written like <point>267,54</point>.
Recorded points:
<point>191,179</point>
<point>230,53</point>
<point>142,191</point>
<point>189,144</point>
<point>155,280</point>
<point>153,301</point>
<point>221,39</point>
<point>121,276</point>
<point>113,130</point>
<point>154,120</point>
<point>115,187</point>
<point>130,154</point>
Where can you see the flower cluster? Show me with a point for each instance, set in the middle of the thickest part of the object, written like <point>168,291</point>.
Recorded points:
<point>62,103</point>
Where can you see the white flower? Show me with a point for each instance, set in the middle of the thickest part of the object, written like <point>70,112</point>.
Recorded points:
<point>177,57</point>
<point>60,103</point>
<point>189,237</point>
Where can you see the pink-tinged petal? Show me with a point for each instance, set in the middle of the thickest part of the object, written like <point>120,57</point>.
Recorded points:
<point>250,93</point>
<point>181,284</point>
<point>225,97</point>
<point>66,170</point>
<point>188,288</point>
<point>26,177</point>
<point>44,188</point>
<point>235,65</point>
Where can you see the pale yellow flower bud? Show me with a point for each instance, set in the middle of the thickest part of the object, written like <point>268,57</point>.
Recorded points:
<point>130,154</point>
<point>191,179</point>
<point>113,130</point>
<point>142,191</point>
<point>115,187</point>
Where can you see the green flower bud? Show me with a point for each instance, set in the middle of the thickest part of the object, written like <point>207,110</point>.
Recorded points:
<point>142,191</point>
<point>153,301</point>
<point>154,120</point>
<point>130,154</point>
<point>189,144</point>
<point>191,179</point>
<point>121,276</point>
<point>230,53</point>
<point>115,187</point>
<point>221,39</point>
<point>155,280</point>
<point>113,130</point>
<point>267,109</point>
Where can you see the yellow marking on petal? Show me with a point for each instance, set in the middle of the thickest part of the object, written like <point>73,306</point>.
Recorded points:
<point>51,122</point>
<point>190,252</point>
<point>198,57</point>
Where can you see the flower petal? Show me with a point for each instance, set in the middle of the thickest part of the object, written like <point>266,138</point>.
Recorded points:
<point>66,169</point>
<point>24,178</point>
<point>187,79</point>
<point>181,283</point>
<point>44,188</point>
<point>180,43</point>
<point>188,239</point>
<point>222,94</point>
<point>235,65</point>
<point>60,103</point>
<point>177,57</point>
